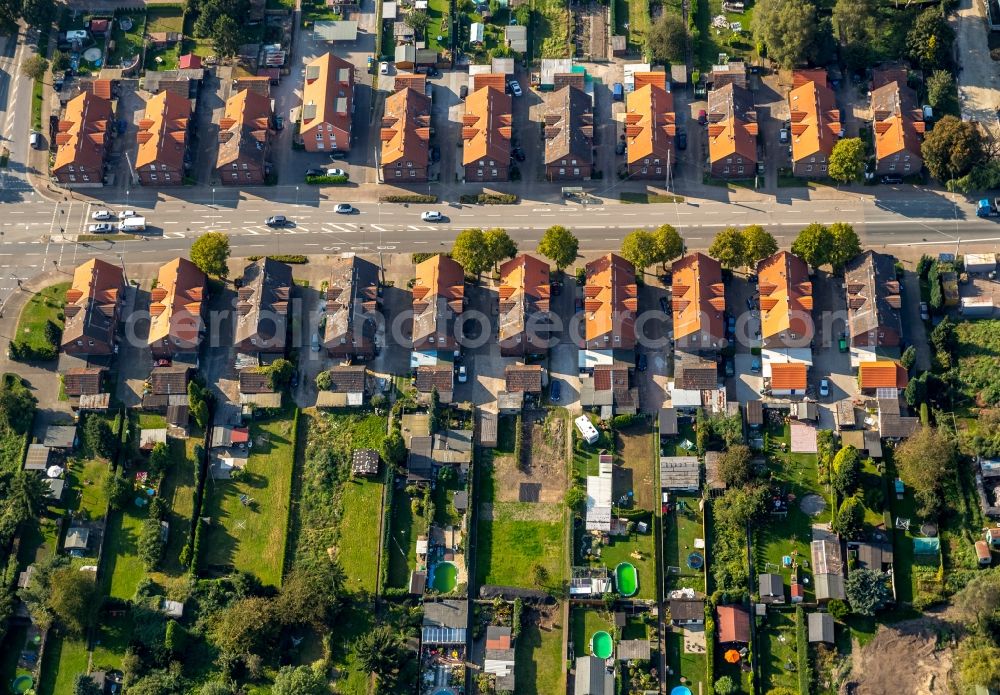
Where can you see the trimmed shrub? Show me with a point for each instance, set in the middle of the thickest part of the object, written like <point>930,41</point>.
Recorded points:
<point>421,257</point>
<point>291,258</point>
<point>489,199</point>
<point>802,651</point>
<point>408,198</point>
<point>326,180</point>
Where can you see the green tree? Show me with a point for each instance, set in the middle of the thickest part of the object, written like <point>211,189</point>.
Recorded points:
<point>942,94</point>
<point>98,437</point>
<point>540,574</point>
<point>782,691</point>
<point>311,595</point>
<point>378,651</point>
<point>226,37</point>
<point>245,626</point>
<point>909,357</point>
<point>926,461</point>
<point>74,599</point>
<point>299,680</point>
<point>38,13</point>
<point>575,498</point>
<point>850,519</point>
<point>119,490</point>
<point>867,591</point>
<point>559,245</point>
<point>729,246</point>
<point>279,373</point>
<point>175,639</point>
<point>952,148</point>
<point>845,245</point>
<point>60,62</point>
<point>838,609</point>
<point>736,466</point>
<point>758,244</point>
<point>150,544</point>
<point>856,23</point>
<point>218,687</point>
<point>324,381</point>
<point>979,666</point>
<point>725,686</point>
<point>471,252</point>
<point>210,252</point>
<point>669,244</point>
<point>978,603</point>
<point>393,449</point>
<point>85,685</point>
<point>668,39</point>
<point>847,160</point>
<point>787,30</point>
<point>846,470</point>
<point>814,244</point>
<point>417,20</point>
<point>930,39</point>
<point>35,67</point>
<point>639,249</point>
<point>17,407</point>
<point>499,245</point>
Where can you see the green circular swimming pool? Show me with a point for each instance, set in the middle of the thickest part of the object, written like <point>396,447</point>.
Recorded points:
<point>626,578</point>
<point>602,645</point>
<point>445,577</point>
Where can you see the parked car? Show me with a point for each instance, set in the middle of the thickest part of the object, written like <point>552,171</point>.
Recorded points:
<point>555,391</point>
<point>344,209</point>
<point>277,221</point>
<point>35,140</point>
<point>556,289</point>
<point>620,147</point>
<point>702,117</point>
<point>463,92</point>
<point>314,343</point>
<point>750,305</point>
<point>682,139</point>
<point>842,342</point>
<point>279,123</point>
<point>618,91</point>
<point>102,215</point>
<point>125,214</point>
<point>515,88</point>
<point>336,172</point>
<point>99,228</point>
<point>383,68</point>
<point>755,364</point>
<point>642,362</point>
<point>730,326</point>
<point>518,154</point>
<point>892,179</point>
<point>664,305</point>
<point>925,313</point>
<point>315,171</point>
<point>435,154</point>
<point>783,136</point>
<point>463,374</point>
<point>431,216</point>
<point>824,387</point>
<point>730,368</point>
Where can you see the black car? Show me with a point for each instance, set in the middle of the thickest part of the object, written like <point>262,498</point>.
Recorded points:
<point>463,92</point>
<point>682,140</point>
<point>641,363</point>
<point>892,179</point>
<point>620,148</point>
<point>315,171</point>
<point>277,221</point>
<point>664,305</point>
<point>435,154</point>
<point>518,154</point>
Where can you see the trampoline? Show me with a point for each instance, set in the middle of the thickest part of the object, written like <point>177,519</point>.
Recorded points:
<point>626,578</point>
<point>680,690</point>
<point>601,645</point>
<point>445,577</point>
<point>695,561</point>
<point>21,684</point>
<point>92,55</point>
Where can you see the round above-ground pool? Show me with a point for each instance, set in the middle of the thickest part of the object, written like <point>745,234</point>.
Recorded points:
<point>626,578</point>
<point>21,684</point>
<point>680,690</point>
<point>445,577</point>
<point>695,561</point>
<point>602,645</point>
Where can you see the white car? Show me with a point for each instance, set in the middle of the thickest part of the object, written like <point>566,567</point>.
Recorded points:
<point>344,209</point>
<point>102,215</point>
<point>824,387</point>
<point>100,228</point>
<point>383,68</point>
<point>336,172</point>
<point>463,375</point>
<point>431,216</point>
<point>125,214</point>
<point>515,88</point>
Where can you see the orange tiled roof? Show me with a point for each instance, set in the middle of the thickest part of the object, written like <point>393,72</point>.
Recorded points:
<point>327,93</point>
<point>650,118</point>
<point>732,127</point>
<point>487,125</point>
<point>163,131</point>
<point>898,120</point>
<point>699,297</point>
<point>175,303</point>
<point>786,299</point>
<point>611,300</point>
<point>789,375</point>
<point>82,132</point>
<point>406,126</point>
<point>814,116</point>
<point>244,128</point>
<point>882,374</point>
<point>438,295</point>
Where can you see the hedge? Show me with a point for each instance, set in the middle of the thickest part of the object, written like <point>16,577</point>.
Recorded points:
<point>489,199</point>
<point>519,442</point>
<point>322,180</point>
<point>709,650</point>
<point>293,258</point>
<point>23,352</point>
<point>387,501</point>
<point>421,257</point>
<point>802,647</point>
<point>408,198</point>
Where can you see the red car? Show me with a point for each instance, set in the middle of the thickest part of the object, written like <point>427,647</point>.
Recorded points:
<point>702,117</point>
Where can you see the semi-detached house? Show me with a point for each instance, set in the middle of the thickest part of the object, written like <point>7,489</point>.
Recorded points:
<point>699,300</point>
<point>406,132</point>
<point>487,130</point>
<point>568,123</point>
<point>732,132</point>
<point>93,308</point>
<point>815,121</point>
<point>162,138</point>
<point>650,127</point>
<point>898,123</point>
<point>327,104</point>
<point>873,304</point>
<point>176,309</point>
<point>82,140</point>
<point>244,140</point>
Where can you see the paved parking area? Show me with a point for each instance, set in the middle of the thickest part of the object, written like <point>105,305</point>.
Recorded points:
<point>977,78</point>
<point>652,340</point>
<point>563,365</point>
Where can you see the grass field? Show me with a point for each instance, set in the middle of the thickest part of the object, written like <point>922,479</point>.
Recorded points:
<point>778,650</point>
<point>550,29</point>
<point>359,536</point>
<point>252,537</point>
<point>64,659</point>
<point>538,667</point>
<point>402,550</point>
<point>978,360</point>
<point>44,306</point>
<point>584,623</point>
<point>680,527</point>
<point>509,547</point>
<point>685,665</point>
<point>85,487</point>
<point>620,549</point>
<point>129,43</point>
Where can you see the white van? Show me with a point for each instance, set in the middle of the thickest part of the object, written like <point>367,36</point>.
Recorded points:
<point>132,224</point>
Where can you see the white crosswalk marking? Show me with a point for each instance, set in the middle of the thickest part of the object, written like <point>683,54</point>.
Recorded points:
<point>251,230</point>
<point>379,228</point>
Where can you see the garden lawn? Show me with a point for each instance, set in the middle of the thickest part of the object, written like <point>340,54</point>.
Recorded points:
<point>252,537</point>
<point>538,665</point>
<point>512,542</point>
<point>436,10</point>
<point>775,653</point>
<point>355,621</point>
<point>684,664</point>
<point>44,306</point>
<point>585,622</point>
<point>357,549</point>
<point>639,23</point>
<point>129,43</point>
<point>620,549</point>
<point>85,483</point>
<point>64,658</point>
<point>402,548</point>
<point>550,29</point>
<point>586,456</point>
<point>680,527</point>
<point>978,361</point>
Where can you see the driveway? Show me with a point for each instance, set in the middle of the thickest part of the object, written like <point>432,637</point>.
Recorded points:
<point>977,78</point>
<point>563,365</point>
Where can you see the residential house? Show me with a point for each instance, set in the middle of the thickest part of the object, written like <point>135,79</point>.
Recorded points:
<point>93,309</point>
<point>327,104</point>
<point>83,381</point>
<point>438,302</point>
<point>699,300</point>
<point>633,650</point>
<point>445,623</point>
<point>262,307</point>
<point>607,387</point>
<point>667,423</point>
<point>611,300</point>
<point>598,504</point>
<point>524,306</point>
<point>771,588</point>
<point>815,122</point>
<point>568,131</point>
<point>786,302</point>
<point>244,140</point>
<point>687,612</point>
<point>487,130</point>
<point>162,138</point>
<point>898,123</point>
<point>176,309</point>
<point>873,555</point>
<point>650,127</point>
<point>348,386</point>
<point>881,374</point>
<point>787,379</point>
<point>892,424</point>
<point>592,677</point>
<point>732,132</point>
<point>523,378</point>
<point>352,300</point>
<point>419,464</point>
<point>437,377</point>
<point>821,628</point>
<point>406,132</point>
<point>83,139</point>
<point>733,624</point>
<point>499,657</point>
<point>873,304</point>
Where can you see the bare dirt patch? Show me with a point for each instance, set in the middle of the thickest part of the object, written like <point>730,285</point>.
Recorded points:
<point>634,454</point>
<point>542,477</point>
<point>876,666</point>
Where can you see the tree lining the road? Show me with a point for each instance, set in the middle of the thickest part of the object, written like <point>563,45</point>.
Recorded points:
<point>662,245</point>
<point>477,250</point>
<point>743,248</point>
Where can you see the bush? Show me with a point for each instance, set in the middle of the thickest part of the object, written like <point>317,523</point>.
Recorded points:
<point>150,545</point>
<point>23,352</point>
<point>291,258</point>
<point>408,198</point>
<point>326,180</point>
<point>421,257</point>
<point>620,422</point>
<point>489,199</point>
<point>324,382</point>
<point>802,650</point>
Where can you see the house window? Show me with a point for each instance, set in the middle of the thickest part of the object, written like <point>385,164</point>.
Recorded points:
<point>235,167</point>
<point>573,162</point>
<point>493,172</point>
<point>152,167</point>
<point>906,158</point>
<point>646,160</point>
<point>892,167</point>
<point>152,177</point>
<point>399,172</point>
<point>659,170</point>
<point>70,167</point>
<point>249,176</point>
<point>86,178</point>
<point>235,175</point>
<point>823,168</point>
<point>413,172</point>
<point>479,172</point>
<point>725,170</point>
<point>562,171</point>
<point>320,145</point>
<point>409,164</point>
<point>740,170</point>
<point>895,158</point>
<point>166,177</point>
<point>812,159</point>
<point>90,342</point>
<point>576,171</point>
<point>319,136</point>
<point>656,161</point>
<point>729,160</point>
<point>644,170</point>
<point>563,162</point>
<point>906,167</point>
<point>739,160</point>
<point>492,163</point>
<point>72,177</point>
<point>809,167</point>
<point>245,167</point>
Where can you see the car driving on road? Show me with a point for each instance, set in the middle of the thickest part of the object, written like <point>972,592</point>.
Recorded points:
<point>515,88</point>
<point>277,221</point>
<point>431,216</point>
<point>344,209</point>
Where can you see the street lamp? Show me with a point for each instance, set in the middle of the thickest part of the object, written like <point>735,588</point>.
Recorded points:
<point>296,195</point>
<point>213,197</point>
